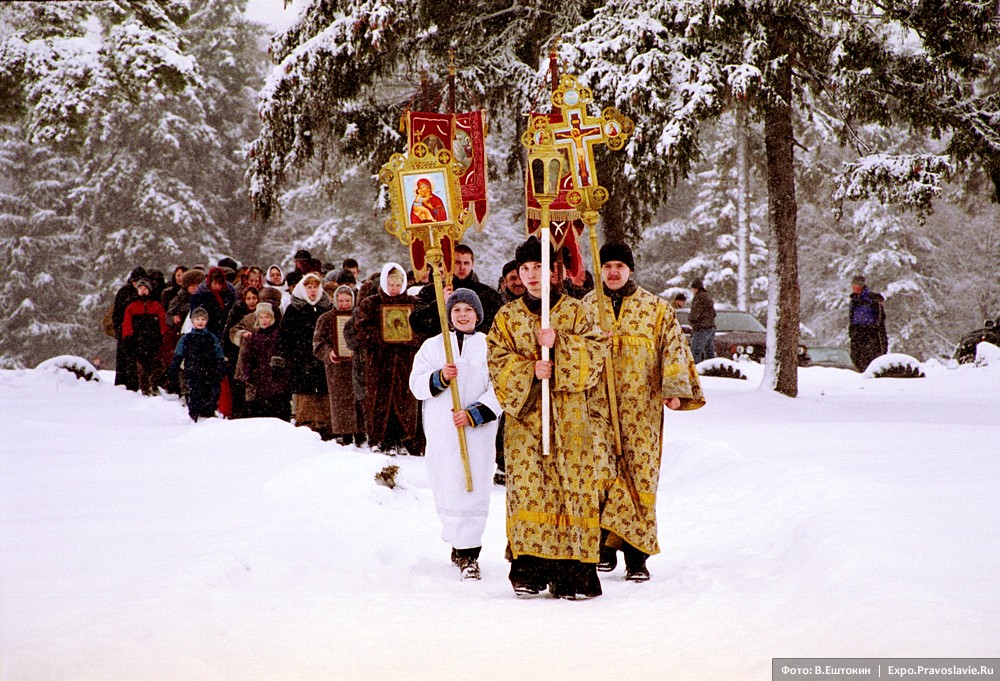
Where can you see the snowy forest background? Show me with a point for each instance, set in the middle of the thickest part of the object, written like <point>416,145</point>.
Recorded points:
<point>152,132</point>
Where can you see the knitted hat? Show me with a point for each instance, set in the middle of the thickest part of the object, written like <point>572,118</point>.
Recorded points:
<point>531,251</point>
<point>199,312</point>
<point>509,267</point>
<point>858,281</point>
<point>620,252</point>
<point>469,297</point>
<point>264,308</point>
<point>144,282</point>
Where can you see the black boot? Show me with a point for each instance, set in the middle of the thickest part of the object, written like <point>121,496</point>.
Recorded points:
<point>529,575</point>
<point>635,564</point>
<point>609,556</point>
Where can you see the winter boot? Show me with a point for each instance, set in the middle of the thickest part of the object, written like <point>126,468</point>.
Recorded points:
<point>609,555</point>
<point>467,561</point>
<point>635,564</point>
<point>469,568</point>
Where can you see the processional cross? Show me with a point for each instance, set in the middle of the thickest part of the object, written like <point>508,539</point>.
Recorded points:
<point>576,133</point>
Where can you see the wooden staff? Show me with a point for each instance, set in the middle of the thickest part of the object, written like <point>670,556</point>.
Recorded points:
<point>546,284</point>
<point>435,256</point>
<point>590,218</point>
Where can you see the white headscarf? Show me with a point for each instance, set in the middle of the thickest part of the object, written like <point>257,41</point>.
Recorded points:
<point>300,289</point>
<point>383,280</point>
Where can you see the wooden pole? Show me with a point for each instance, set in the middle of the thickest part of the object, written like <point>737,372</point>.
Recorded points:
<point>436,258</point>
<point>590,218</point>
<point>546,285</point>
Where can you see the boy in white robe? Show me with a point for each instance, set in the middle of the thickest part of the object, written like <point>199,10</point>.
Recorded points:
<point>463,513</point>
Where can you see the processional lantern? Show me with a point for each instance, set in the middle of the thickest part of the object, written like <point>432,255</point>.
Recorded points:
<point>545,169</point>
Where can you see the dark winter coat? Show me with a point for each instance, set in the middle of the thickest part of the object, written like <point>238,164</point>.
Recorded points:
<point>702,315</point>
<point>306,375</point>
<point>387,371</point>
<point>254,365</point>
<point>143,328</point>
<point>425,318</point>
<point>204,366</point>
<point>125,369</point>
<point>866,328</point>
<point>217,306</point>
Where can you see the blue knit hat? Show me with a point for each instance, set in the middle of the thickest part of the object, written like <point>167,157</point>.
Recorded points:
<point>469,297</point>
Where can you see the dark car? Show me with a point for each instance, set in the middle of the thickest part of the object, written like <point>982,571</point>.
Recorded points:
<point>739,334</point>
<point>965,351</point>
<point>829,356</point>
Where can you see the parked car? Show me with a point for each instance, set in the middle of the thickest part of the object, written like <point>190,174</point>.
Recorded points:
<point>739,335</point>
<point>829,356</point>
<point>965,351</point>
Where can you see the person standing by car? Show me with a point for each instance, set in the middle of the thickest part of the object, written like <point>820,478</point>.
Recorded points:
<point>702,321</point>
<point>866,324</point>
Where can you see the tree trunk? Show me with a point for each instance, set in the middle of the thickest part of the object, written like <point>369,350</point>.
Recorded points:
<point>781,371</point>
<point>742,209</point>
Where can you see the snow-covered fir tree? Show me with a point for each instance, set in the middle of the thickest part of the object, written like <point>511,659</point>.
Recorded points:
<point>39,295</point>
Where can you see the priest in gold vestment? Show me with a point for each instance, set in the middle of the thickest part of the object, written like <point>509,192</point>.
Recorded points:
<point>553,524</point>
<point>653,369</point>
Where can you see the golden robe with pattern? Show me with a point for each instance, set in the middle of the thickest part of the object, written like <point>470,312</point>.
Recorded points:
<point>552,501</point>
<point>652,362</point>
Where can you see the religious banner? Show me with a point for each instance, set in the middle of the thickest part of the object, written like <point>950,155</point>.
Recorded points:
<point>464,136</point>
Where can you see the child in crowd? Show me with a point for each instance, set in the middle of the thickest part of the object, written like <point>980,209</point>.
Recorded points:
<point>267,393</point>
<point>462,513</point>
<point>200,352</point>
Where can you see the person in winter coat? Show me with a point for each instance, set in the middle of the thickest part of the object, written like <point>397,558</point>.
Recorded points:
<point>175,286</point>
<point>253,277</point>
<point>425,316</point>
<point>702,321</point>
<point>246,305</point>
<point>217,296</point>
<point>462,513</point>
<point>330,348</point>
<point>200,353</point>
<point>306,375</point>
<point>866,324</point>
<point>267,393</point>
<point>143,329</point>
<point>190,281</point>
<point>381,325</point>
<point>125,369</point>
<point>275,277</point>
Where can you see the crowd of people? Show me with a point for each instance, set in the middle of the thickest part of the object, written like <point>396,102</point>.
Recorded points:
<point>364,361</point>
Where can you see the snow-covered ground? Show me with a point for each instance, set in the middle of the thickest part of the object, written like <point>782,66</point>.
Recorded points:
<point>860,519</point>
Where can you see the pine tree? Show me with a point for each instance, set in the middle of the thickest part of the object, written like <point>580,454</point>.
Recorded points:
<point>349,68</point>
<point>38,295</point>
<point>680,63</point>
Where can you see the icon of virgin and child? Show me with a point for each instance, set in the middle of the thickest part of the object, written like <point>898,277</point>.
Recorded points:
<point>426,206</point>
